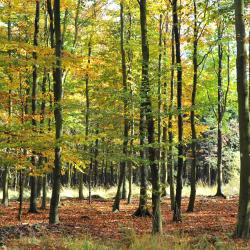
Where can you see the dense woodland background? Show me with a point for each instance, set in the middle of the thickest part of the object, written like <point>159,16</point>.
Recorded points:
<point>124,94</point>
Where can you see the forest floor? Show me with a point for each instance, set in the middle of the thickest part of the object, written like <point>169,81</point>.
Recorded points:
<point>214,220</point>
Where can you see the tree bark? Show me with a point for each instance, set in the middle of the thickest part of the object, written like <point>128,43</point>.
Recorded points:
<point>87,114</point>
<point>20,209</point>
<point>33,179</point>
<point>220,110</point>
<point>58,114</point>
<point>5,200</point>
<point>123,164</point>
<point>80,182</point>
<point>192,114</point>
<point>33,194</point>
<point>170,126</point>
<point>147,105</point>
<point>44,189</point>
<point>159,97</point>
<point>177,206</point>
<point>242,229</point>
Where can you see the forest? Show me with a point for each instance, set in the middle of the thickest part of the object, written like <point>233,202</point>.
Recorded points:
<point>124,124</point>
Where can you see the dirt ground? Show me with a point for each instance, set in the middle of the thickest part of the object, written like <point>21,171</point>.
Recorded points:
<point>213,217</point>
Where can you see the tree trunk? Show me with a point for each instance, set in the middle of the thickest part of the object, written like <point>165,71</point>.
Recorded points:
<point>177,206</point>
<point>170,127</point>
<point>124,186</point>
<point>87,114</point>
<point>147,106</point>
<point>159,99</point>
<point>39,186</point>
<point>20,210</point>
<point>164,158</point>
<point>243,222</point>
<point>33,179</point>
<point>80,182</point>
<point>90,179</point>
<point>53,216</point>
<point>220,112</point>
<point>130,182</point>
<point>96,163</point>
<point>192,115</point>
<point>123,164</point>
<point>33,194</point>
<point>132,121</point>
<point>44,189</point>
<point>5,200</point>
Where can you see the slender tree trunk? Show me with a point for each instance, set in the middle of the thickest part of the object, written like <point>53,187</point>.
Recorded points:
<point>20,210</point>
<point>112,176</point>
<point>96,163</point>
<point>87,114</point>
<point>123,164</point>
<point>43,159</point>
<point>44,189</point>
<point>5,200</point>
<point>80,182</point>
<point>90,179</point>
<point>220,111</point>
<point>159,97</point>
<point>164,158</point>
<point>132,122</point>
<point>192,114</point>
<point>177,206</point>
<point>53,216</point>
<point>170,128</point>
<point>33,179</point>
<point>146,102</point>
<point>243,223</point>
<point>130,182</point>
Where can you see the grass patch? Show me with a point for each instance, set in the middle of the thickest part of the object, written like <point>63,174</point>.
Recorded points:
<point>148,242</point>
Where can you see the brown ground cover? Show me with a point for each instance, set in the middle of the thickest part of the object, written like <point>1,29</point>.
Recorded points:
<point>213,218</point>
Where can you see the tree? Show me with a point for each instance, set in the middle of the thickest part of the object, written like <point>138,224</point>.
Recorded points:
<point>177,206</point>
<point>170,125</point>
<point>53,215</point>
<point>197,34</point>
<point>243,223</point>
<point>123,163</point>
<point>33,178</point>
<point>147,106</point>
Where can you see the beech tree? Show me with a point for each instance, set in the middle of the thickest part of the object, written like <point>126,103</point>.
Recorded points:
<point>53,215</point>
<point>243,222</point>
<point>147,107</point>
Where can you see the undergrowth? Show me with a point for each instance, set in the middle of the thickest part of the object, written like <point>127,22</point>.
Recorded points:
<point>229,189</point>
<point>131,242</point>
